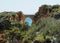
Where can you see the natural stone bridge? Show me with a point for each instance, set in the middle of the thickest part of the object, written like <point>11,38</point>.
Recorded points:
<point>22,18</point>
<point>30,16</point>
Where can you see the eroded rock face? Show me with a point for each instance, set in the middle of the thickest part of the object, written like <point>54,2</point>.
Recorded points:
<point>19,17</point>
<point>43,12</point>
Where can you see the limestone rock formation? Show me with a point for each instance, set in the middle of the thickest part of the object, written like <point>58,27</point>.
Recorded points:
<point>19,17</point>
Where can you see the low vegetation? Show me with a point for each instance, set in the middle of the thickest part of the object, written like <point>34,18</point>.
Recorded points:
<point>44,28</point>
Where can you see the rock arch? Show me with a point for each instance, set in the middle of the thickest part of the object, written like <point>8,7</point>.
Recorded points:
<point>28,20</point>
<point>29,16</point>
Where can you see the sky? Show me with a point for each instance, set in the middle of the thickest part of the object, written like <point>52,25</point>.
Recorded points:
<point>28,21</point>
<point>26,6</point>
